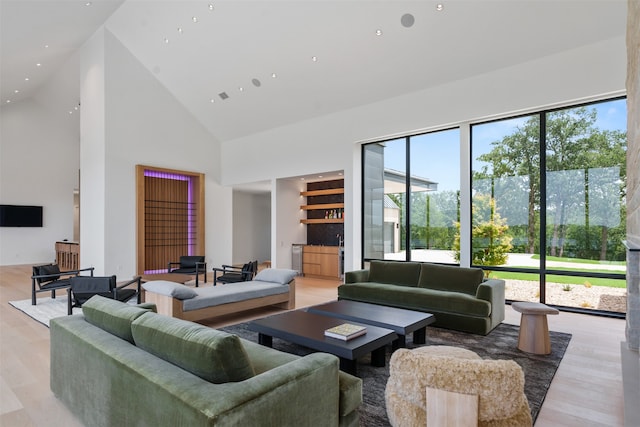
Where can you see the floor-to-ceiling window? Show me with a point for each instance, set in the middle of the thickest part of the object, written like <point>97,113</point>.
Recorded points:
<point>548,209</point>
<point>411,189</point>
<point>547,203</point>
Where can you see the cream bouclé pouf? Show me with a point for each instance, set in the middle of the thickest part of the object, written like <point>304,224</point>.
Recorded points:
<point>499,385</point>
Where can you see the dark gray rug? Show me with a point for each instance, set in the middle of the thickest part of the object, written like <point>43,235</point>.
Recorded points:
<point>501,343</point>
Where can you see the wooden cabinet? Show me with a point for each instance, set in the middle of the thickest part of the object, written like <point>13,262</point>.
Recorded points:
<point>68,255</point>
<point>321,261</point>
<point>323,206</point>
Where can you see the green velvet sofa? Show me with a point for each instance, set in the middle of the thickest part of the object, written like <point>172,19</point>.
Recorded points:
<point>460,298</point>
<point>123,365</point>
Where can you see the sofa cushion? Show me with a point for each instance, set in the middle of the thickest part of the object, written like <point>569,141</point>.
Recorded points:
<point>276,275</point>
<point>212,355</point>
<point>394,273</point>
<point>450,278</point>
<point>113,316</point>
<point>420,299</point>
<point>170,289</point>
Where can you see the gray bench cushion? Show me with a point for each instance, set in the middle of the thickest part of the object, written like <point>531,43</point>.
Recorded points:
<point>233,292</point>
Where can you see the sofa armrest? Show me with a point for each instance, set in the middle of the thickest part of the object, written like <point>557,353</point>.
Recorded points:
<point>356,276</point>
<point>492,290</point>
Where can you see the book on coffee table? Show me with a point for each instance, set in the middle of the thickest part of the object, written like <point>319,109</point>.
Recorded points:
<point>346,331</point>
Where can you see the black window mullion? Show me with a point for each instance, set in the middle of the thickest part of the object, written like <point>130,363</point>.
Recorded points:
<point>407,233</point>
<point>543,206</point>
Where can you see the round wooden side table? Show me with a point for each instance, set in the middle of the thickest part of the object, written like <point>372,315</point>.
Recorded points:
<point>534,330</point>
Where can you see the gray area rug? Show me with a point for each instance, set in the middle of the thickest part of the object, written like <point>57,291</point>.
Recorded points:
<point>501,343</point>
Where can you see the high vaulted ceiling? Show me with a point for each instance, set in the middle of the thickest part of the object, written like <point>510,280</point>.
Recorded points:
<point>260,53</point>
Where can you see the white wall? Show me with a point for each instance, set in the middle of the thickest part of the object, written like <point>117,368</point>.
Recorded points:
<point>251,227</point>
<point>327,143</point>
<point>39,161</point>
<point>286,227</point>
<point>144,124</point>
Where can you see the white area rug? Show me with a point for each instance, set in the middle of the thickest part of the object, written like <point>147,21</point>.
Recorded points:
<point>45,308</point>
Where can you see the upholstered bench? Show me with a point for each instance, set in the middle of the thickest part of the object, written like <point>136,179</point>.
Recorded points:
<point>270,287</point>
<point>419,378</point>
<point>534,329</point>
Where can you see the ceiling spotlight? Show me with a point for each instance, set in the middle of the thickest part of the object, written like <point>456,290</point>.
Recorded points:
<point>8,101</point>
<point>88,3</point>
<point>439,7</point>
<point>274,75</point>
<point>26,79</point>
<point>241,89</point>
<point>212,100</point>
<point>38,64</point>
<point>194,19</point>
<point>180,30</point>
<point>16,91</point>
<point>46,46</point>
<point>407,20</point>
<point>210,6</point>
<point>378,32</point>
<point>70,112</point>
<point>166,40</point>
<point>314,58</point>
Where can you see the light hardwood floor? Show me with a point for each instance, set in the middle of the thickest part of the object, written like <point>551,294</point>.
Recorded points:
<point>586,390</point>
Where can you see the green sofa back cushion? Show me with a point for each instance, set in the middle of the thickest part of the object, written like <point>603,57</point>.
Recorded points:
<point>113,316</point>
<point>212,355</point>
<point>394,273</point>
<point>450,278</point>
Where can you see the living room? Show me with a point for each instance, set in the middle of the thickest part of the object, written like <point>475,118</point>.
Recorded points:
<point>130,117</point>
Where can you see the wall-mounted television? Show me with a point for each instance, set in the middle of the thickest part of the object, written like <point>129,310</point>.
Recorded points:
<point>20,216</point>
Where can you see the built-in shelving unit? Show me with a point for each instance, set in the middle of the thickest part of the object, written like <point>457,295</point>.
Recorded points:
<point>322,206</point>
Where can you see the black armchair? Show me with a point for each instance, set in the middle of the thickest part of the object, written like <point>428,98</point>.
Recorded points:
<point>231,274</point>
<point>82,288</point>
<point>191,264</point>
<point>48,277</point>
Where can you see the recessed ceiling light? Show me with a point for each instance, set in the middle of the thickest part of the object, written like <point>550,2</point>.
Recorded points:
<point>274,75</point>
<point>439,7</point>
<point>210,6</point>
<point>16,91</point>
<point>70,112</point>
<point>314,58</point>
<point>26,79</point>
<point>166,40</point>
<point>38,64</point>
<point>241,89</point>
<point>194,19</point>
<point>88,3</point>
<point>180,30</point>
<point>212,100</point>
<point>75,108</point>
<point>8,101</point>
<point>320,176</point>
<point>46,46</point>
<point>378,32</point>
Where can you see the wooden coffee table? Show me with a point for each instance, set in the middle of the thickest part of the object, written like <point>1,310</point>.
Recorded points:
<point>401,321</point>
<point>307,329</point>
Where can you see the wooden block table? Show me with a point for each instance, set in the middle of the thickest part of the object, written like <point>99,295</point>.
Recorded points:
<point>534,330</point>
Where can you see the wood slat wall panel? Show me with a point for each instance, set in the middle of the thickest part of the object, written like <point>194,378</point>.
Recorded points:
<point>167,213</point>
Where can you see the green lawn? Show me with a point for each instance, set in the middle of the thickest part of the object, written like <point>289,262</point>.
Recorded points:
<point>579,260</point>
<point>594,281</point>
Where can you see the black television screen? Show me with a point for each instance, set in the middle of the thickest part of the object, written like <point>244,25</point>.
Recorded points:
<point>20,216</point>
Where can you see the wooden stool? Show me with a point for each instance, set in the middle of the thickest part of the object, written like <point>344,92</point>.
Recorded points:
<point>534,330</point>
